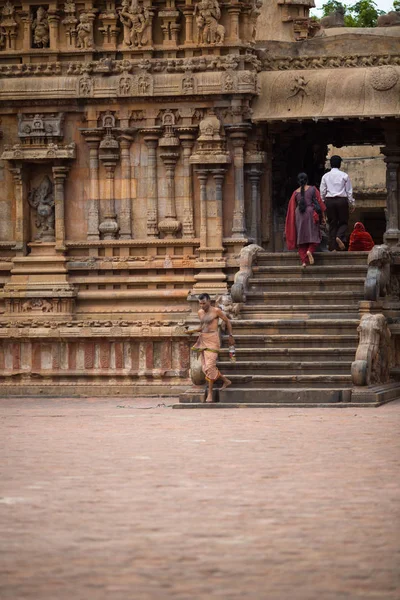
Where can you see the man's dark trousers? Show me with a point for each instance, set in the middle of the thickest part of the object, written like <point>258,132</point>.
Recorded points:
<point>337,211</point>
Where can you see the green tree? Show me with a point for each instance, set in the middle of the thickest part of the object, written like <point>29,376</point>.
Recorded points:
<point>396,5</point>
<point>363,13</point>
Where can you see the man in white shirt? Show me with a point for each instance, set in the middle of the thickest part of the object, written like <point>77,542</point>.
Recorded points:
<point>337,193</point>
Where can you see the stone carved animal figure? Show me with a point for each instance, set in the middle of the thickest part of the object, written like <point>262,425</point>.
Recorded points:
<point>225,303</point>
<point>208,13</point>
<point>41,199</point>
<point>377,283</point>
<point>373,357</point>
<point>334,19</point>
<point>391,19</point>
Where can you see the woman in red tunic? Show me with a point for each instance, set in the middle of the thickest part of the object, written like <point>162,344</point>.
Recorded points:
<point>360,240</point>
<point>306,212</point>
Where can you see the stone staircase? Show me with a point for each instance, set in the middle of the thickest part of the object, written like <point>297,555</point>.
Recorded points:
<point>297,333</point>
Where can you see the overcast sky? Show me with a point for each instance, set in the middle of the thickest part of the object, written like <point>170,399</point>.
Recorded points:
<point>384,5</point>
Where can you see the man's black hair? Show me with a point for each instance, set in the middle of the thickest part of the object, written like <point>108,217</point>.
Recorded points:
<point>204,297</point>
<point>336,161</point>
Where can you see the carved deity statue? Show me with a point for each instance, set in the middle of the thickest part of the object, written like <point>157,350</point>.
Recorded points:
<point>254,14</point>
<point>40,27</point>
<point>207,14</point>
<point>41,199</point>
<point>135,19</point>
<point>84,37</point>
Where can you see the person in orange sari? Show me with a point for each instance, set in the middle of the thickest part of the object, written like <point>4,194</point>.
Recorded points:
<point>305,214</point>
<point>360,239</point>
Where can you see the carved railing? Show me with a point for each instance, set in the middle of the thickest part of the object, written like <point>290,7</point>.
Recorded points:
<point>241,281</point>
<point>379,282</point>
<point>373,357</point>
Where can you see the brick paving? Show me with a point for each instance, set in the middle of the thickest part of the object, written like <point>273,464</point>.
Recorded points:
<point>121,500</point>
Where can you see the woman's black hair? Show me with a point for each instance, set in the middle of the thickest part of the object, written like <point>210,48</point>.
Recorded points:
<point>302,180</point>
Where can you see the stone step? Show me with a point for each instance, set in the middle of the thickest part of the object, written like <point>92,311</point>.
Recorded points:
<point>303,298</point>
<point>269,367</point>
<point>301,341</point>
<point>314,271</point>
<point>315,311</point>
<point>324,258</point>
<point>255,380</point>
<point>308,284</point>
<point>298,325</point>
<point>291,354</point>
<point>284,395</point>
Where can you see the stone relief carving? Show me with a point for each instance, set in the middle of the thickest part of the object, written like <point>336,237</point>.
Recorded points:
<point>145,85</point>
<point>254,14</point>
<point>383,78</point>
<point>85,86</point>
<point>326,62</point>
<point>135,20</point>
<point>373,357</point>
<point>126,85</point>
<point>208,15</point>
<point>40,27</point>
<point>37,304</point>
<point>84,32</point>
<point>8,27</point>
<point>299,87</point>
<point>41,199</point>
<point>40,127</point>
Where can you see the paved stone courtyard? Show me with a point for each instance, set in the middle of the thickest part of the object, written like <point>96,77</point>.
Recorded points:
<point>120,499</point>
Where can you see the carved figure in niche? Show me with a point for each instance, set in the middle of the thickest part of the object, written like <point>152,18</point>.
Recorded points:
<point>254,14</point>
<point>135,19</point>
<point>40,28</point>
<point>41,199</point>
<point>37,304</point>
<point>84,37</point>
<point>125,85</point>
<point>188,84</point>
<point>143,85</point>
<point>207,14</point>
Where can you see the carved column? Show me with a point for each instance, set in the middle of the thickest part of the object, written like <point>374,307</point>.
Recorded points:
<point>59,174</point>
<point>218,175</point>
<point>26,18</point>
<point>54,20</point>
<point>93,141</point>
<point>392,160</point>
<point>234,12</point>
<point>254,175</point>
<point>21,212</point>
<point>125,217</point>
<point>202,174</point>
<point>109,155</point>
<point>187,137</point>
<point>238,134</point>
<point>170,226</point>
<point>188,10</point>
<point>151,139</point>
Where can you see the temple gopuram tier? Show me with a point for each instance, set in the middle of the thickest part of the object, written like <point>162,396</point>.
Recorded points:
<point>145,146</point>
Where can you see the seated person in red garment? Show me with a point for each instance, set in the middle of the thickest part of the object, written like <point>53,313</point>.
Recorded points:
<point>360,240</point>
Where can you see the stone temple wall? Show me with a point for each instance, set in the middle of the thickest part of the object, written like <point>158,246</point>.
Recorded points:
<point>128,160</point>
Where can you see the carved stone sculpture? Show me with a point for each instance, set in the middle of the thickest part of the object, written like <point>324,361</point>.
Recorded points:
<point>40,27</point>
<point>390,20</point>
<point>84,34</point>
<point>225,303</point>
<point>254,14</point>
<point>135,19</point>
<point>247,256</point>
<point>334,19</point>
<point>373,356</point>
<point>8,28</point>
<point>209,30</point>
<point>377,282</point>
<point>41,199</point>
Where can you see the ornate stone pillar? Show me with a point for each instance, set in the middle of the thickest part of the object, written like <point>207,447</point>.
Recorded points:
<point>238,134</point>
<point>21,212</point>
<point>109,155</point>
<point>187,137</point>
<point>254,175</point>
<point>151,139</point>
<point>59,174</point>
<point>202,174</point>
<point>125,216</point>
<point>234,12</point>
<point>188,10</point>
<point>93,138</point>
<point>218,175</point>
<point>26,19</point>
<point>170,226</point>
<point>54,20</point>
<point>392,160</point>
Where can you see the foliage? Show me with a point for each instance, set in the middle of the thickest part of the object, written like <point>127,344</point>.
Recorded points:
<point>396,5</point>
<point>363,13</point>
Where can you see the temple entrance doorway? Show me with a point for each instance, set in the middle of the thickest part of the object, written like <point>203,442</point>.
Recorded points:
<point>307,146</point>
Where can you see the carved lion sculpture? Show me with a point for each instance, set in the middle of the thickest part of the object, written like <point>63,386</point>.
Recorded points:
<point>225,304</point>
<point>377,283</point>
<point>334,19</point>
<point>373,357</point>
<point>390,20</point>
